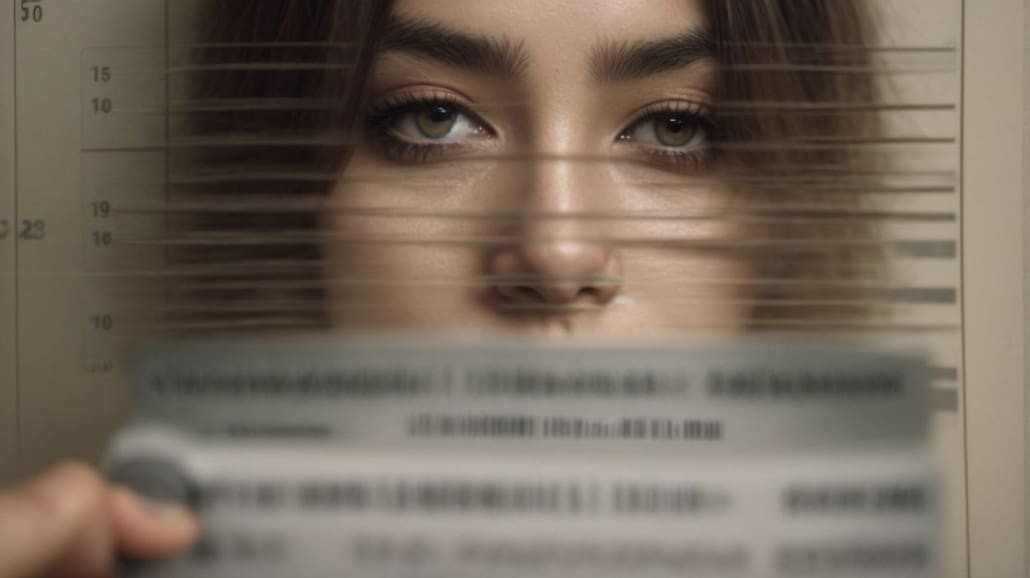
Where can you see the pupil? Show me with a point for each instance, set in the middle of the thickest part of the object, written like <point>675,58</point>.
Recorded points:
<point>675,124</point>
<point>440,114</point>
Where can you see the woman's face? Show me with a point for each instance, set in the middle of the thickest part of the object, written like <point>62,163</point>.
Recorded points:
<point>536,167</point>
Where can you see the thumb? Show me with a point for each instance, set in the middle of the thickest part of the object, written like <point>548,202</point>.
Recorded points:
<point>40,522</point>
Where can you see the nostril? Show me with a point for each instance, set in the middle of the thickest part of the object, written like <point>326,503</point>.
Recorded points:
<point>526,294</point>
<point>554,274</point>
<point>560,292</point>
<point>603,292</point>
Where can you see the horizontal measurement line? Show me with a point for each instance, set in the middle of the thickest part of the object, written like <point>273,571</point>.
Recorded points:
<point>743,215</point>
<point>723,109</point>
<point>759,327</point>
<point>913,249</point>
<point>680,296</point>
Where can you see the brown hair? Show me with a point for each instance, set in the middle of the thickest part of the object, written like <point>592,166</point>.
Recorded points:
<point>788,68</point>
<point>285,80</point>
<point>798,93</point>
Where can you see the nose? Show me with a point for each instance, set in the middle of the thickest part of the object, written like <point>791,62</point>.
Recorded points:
<point>557,256</point>
<point>551,272</point>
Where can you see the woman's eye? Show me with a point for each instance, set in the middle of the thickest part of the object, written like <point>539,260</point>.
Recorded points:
<point>674,131</point>
<point>434,123</point>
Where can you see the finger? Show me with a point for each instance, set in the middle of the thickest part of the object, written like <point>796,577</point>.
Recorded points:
<point>145,529</point>
<point>41,522</point>
<point>91,554</point>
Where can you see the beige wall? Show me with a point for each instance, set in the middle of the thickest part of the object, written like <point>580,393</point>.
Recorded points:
<point>1026,281</point>
<point>994,331</point>
<point>8,382</point>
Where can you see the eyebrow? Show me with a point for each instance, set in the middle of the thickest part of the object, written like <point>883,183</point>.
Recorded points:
<point>480,54</point>
<point>622,61</point>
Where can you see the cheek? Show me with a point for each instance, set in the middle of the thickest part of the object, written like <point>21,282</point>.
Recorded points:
<point>391,264</point>
<point>685,290</point>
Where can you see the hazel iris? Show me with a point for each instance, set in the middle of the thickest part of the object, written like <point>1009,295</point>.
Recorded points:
<point>436,121</point>
<point>674,131</point>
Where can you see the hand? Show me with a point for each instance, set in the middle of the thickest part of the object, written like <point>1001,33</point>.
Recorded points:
<point>69,522</point>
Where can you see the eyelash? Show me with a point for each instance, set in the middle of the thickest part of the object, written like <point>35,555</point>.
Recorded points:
<point>379,126</point>
<point>686,159</point>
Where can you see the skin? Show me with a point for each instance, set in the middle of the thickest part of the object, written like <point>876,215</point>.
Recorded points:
<point>553,278</point>
<point>70,523</point>
<point>557,130</point>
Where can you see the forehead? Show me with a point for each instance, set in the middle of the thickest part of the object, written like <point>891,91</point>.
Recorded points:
<point>556,29</point>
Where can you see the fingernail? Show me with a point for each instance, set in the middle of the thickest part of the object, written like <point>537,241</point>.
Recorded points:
<point>166,512</point>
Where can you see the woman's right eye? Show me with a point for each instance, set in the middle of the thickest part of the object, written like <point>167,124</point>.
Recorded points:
<point>431,123</point>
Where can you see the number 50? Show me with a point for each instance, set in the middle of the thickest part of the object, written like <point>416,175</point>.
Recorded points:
<point>32,10</point>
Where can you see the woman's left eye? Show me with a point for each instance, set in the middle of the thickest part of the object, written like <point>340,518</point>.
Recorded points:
<point>434,123</point>
<point>670,131</point>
